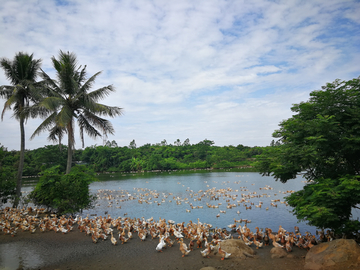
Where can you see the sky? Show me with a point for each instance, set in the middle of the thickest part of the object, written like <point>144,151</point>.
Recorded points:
<point>221,70</point>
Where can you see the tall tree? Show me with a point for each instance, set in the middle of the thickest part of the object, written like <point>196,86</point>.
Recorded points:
<point>22,93</point>
<point>69,100</point>
<point>322,140</point>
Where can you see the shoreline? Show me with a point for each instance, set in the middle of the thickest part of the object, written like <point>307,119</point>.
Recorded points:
<point>235,169</point>
<point>75,250</point>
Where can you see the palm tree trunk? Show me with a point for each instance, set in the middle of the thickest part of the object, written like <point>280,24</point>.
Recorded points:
<point>21,163</point>
<point>69,158</point>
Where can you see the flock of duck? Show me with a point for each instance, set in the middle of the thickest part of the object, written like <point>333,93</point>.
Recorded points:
<point>224,199</point>
<point>124,229</point>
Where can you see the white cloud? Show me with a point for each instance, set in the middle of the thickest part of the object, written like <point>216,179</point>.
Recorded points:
<point>222,70</point>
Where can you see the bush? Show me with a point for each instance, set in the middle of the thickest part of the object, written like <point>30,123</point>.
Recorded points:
<point>67,193</point>
<point>7,188</point>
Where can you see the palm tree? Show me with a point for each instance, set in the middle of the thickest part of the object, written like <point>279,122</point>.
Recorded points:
<point>69,100</point>
<point>21,94</point>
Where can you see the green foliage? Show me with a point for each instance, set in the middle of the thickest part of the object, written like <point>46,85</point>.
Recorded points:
<point>322,140</point>
<point>163,156</point>
<point>44,158</point>
<point>67,193</point>
<point>7,179</point>
<point>144,158</point>
<point>327,203</point>
<point>7,187</point>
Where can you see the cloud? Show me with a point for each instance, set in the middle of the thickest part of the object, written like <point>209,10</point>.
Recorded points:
<point>227,71</point>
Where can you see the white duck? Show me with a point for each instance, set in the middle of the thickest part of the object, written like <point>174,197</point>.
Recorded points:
<point>161,244</point>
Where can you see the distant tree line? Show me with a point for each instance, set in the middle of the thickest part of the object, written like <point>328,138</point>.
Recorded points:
<point>149,157</point>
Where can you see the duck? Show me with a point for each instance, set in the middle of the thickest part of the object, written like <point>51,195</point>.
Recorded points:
<point>142,235</point>
<point>206,252</point>
<point>113,240</point>
<point>122,238</point>
<point>246,240</point>
<point>276,244</point>
<point>232,226</point>
<point>183,248</point>
<point>169,241</point>
<point>161,244</point>
<point>94,238</point>
<point>191,244</point>
<point>288,246</point>
<point>178,234</point>
<point>199,243</point>
<point>223,253</point>
<point>63,230</point>
<point>266,239</point>
<point>257,243</point>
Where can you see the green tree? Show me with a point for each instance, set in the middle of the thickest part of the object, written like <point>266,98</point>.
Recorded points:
<point>132,144</point>
<point>22,93</point>
<point>322,140</point>
<point>67,193</point>
<point>69,99</point>
<point>186,142</point>
<point>7,183</point>
<point>177,142</point>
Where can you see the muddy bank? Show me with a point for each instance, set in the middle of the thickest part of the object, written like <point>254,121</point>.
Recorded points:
<point>75,250</point>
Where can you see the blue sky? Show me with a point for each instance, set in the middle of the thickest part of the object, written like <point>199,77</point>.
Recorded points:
<point>226,71</point>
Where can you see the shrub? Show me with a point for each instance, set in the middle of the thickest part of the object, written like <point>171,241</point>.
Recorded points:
<point>67,193</point>
<point>7,188</point>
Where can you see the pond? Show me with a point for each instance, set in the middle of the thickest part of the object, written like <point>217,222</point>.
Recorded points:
<point>214,197</point>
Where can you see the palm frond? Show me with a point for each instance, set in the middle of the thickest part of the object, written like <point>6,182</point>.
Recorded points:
<point>51,103</point>
<point>6,91</point>
<point>56,134</point>
<point>111,111</point>
<point>47,124</point>
<point>37,111</point>
<point>84,124</point>
<point>51,86</point>
<point>81,75</point>
<point>89,83</point>
<point>104,125</point>
<point>64,117</point>
<point>101,93</point>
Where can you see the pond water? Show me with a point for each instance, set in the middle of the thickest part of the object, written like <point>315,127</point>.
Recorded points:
<point>176,196</point>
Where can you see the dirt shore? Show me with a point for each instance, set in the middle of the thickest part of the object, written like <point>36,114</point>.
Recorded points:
<point>75,250</point>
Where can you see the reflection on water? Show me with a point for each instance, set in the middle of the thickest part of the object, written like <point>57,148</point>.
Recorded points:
<point>18,256</point>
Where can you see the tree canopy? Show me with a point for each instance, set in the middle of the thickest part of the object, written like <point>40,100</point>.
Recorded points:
<point>322,141</point>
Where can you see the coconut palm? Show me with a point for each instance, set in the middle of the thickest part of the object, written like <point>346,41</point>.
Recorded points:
<point>21,94</point>
<point>69,100</point>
